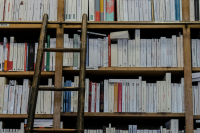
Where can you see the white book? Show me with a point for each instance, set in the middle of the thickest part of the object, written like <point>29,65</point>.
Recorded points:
<point>151,100</point>
<point>118,10</point>
<point>168,96</point>
<point>167,5</point>
<point>106,95</point>
<point>124,56</point>
<point>174,51</point>
<point>1,57</point>
<point>23,55</point>
<point>179,51</point>
<point>114,52</point>
<point>155,10</point>
<point>52,101</point>
<point>25,10</point>
<point>111,97</point>
<point>1,9</point>
<point>149,53</point>
<point>51,10</point>
<point>98,98</point>
<point>154,97</point>
<point>140,94</point>
<point>76,84</point>
<point>120,52</point>
<point>30,10</point>
<point>86,95</point>
<point>145,10</point>
<point>84,8</point>
<point>133,53</point>
<point>125,3</point>
<point>154,52</point>
<point>137,42</point>
<point>131,96</point>
<point>137,17</point>
<point>126,96</point>
<point>121,9</point>
<point>129,49</point>
<point>55,10</point>
<point>144,96</point>
<point>174,99</point>
<point>141,10</point>
<point>193,98</point>
<point>104,9</point>
<point>41,9</point>
<point>54,55</point>
<point>192,10</point>
<point>25,96</point>
<point>172,3</point>
<point>183,94</point>
<point>15,53</point>
<point>6,11</point>
<point>42,102</point>
<point>181,16</point>
<point>65,55</point>
<point>6,96</point>
<point>93,98</point>
<point>69,8</point>
<point>131,12</point>
<point>158,83</point>
<point>143,52</point>
<point>15,99</point>
<point>147,96</point>
<point>182,53</point>
<point>74,13</point>
<point>66,10</point>
<point>158,10</point>
<point>123,97</point>
<point>163,96</point>
<point>179,98</point>
<point>99,52</point>
<point>11,49</point>
<point>37,110</point>
<point>163,51</point>
<point>3,81</point>
<point>19,99</point>
<point>91,10</point>
<point>61,106</point>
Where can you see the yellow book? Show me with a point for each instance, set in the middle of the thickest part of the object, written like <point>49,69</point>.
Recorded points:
<point>101,11</point>
<point>115,97</point>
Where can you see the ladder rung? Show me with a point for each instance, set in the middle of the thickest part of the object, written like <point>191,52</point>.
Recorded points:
<point>62,49</point>
<point>58,88</point>
<point>53,130</point>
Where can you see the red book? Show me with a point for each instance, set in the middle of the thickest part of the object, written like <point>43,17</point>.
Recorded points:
<point>97,15</point>
<point>90,96</point>
<point>25,55</point>
<point>95,97</point>
<point>119,97</point>
<point>109,51</point>
<point>9,66</point>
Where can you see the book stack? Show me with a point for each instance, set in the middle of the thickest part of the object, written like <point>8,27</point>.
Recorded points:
<point>27,10</point>
<point>5,130</point>
<point>22,56</point>
<point>15,98</point>
<point>124,10</point>
<point>172,126</point>
<point>127,95</point>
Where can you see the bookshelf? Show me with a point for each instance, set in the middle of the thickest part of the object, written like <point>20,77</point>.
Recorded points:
<point>60,71</point>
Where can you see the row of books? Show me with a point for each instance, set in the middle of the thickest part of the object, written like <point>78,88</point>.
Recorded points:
<point>171,126</point>
<point>14,98</point>
<point>195,48</point>
<point>125,10</point>
<point>127,95</point>
<point>22,56</point>
<point>196,98</point>
<point>43,123</point>
<point>194,10</point>
<point>27,10</point>
<point>195,77</point>
<point>5,130</point>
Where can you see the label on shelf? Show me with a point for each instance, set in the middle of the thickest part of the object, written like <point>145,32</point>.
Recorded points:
<point>3,25</point>
<point>87,68</point>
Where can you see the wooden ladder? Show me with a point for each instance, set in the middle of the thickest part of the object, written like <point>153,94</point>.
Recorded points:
<point>37,74</point>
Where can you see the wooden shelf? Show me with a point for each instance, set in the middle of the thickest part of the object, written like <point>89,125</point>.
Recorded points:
<point>196,116</point>
<point>128,70</point>
<point>25,74</point>
<point>53,130</point>
<point>28,26</point>
<point>195,69</point>
<point>24,116</point>
<point>117,114</point>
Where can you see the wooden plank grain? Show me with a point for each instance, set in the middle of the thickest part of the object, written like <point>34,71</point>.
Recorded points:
<point>58,67</point>
<point>188,81</point>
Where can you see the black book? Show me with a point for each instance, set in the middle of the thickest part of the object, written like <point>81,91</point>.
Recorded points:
<point>31,53</point>
<point>196,10</point>
<point>101,96</point>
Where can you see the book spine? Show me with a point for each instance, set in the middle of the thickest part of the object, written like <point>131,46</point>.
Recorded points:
<point>109,51</point>
<point>144,96</point>
<point>177,10</point>
<point>75,57</point>
<point>158,96</point>
<point>124,52</point>
<point>48,53</point>
<point>95,99</point>
<point>101,10</point>
<point>97,10</point>
<point>86,95</point>
<point>90,96</point>
<point>105,95</point>
<point>101,96</point>
<point>98,98</point>
<point>196,9</point>
<point>25,56</point>
<point>8,57</point>
<point>119,97</point>
<point>110,10</point>
<point>129,54</point>
<point>137,42</point>
<point>115,97</point>
<point>133,53</point>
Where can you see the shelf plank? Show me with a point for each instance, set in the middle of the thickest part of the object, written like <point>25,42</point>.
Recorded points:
<point>25,73</point>
<point>195,69</point>
<point>196,116</point>
<point>24,116</point>
<point>53,130</point>
<point>28,26</point>
<point>118,114</point>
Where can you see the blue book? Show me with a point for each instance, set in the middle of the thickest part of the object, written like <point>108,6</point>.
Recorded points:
<point>177,10</point>
<point>87,54</point>
<point>69,93</point>
<point>64,99</point>
<point>27,57</point>
<point>67,97</point>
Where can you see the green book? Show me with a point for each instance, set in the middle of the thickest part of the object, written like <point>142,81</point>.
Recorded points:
<point>75,45</point>
<point>48,54</point>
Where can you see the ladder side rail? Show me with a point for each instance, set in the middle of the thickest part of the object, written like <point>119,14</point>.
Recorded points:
<point>36,77</point>
<point>81,91</point>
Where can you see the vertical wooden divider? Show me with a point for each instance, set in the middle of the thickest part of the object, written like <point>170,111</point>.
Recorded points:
<point>188,81</point>
<point>187,69</point>
<point>58,67</point>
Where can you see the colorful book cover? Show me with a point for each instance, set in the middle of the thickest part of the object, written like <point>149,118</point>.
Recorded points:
<point>101,11</point>
<point>115,97</point>
<point>48,53</point>
<point>97,10</point>
<point>110,10</point>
